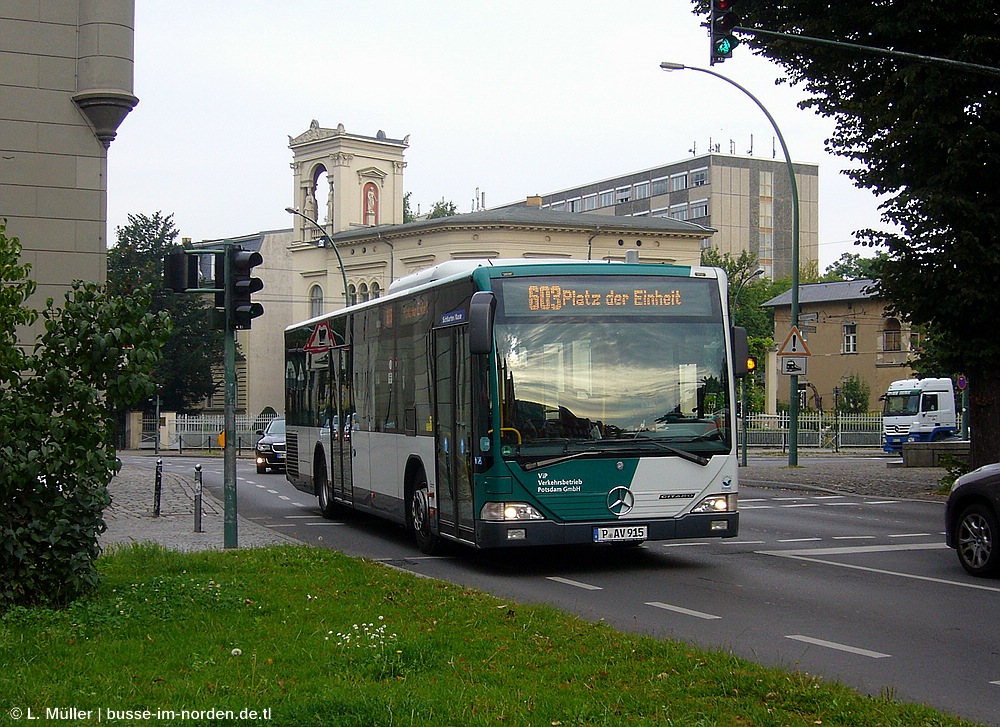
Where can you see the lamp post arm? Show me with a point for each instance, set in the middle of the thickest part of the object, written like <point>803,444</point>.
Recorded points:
<point>793,397</point>
<point>327,243</point>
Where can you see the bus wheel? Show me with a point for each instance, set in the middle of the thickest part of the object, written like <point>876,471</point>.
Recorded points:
<point>324,490</point>
<point>420,520</point>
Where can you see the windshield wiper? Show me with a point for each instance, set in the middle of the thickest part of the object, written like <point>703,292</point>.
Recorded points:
<point>682,453</point>
<point>563,458</point>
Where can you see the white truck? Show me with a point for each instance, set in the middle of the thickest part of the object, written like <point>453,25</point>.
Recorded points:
<point>917,410</point>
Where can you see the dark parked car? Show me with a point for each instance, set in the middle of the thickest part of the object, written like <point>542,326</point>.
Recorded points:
<point>271,447</point>
<point>971,520</point>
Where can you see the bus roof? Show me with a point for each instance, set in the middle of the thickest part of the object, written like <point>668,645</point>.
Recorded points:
<point>458,269</point>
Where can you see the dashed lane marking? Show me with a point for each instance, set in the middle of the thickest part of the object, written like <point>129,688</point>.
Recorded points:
<point>838,647</point>
<point>682,610</point>
<point>576,584</point>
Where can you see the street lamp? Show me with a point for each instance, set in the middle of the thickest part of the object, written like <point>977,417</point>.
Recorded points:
<point>743,381</point>
<point>793,398</point>
<point>327,242</point>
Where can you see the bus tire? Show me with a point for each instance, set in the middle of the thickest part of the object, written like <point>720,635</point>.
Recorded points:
<point>420,518</point>
<point>324,488</point>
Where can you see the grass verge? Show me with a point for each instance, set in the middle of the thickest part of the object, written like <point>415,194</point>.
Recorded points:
<point>314,637</point>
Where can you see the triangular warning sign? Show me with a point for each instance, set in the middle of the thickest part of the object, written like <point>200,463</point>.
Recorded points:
<point>794,345</point>
<point>320,339</point>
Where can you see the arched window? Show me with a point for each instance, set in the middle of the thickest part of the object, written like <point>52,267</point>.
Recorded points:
<point>315,301</point>
<point>892,336</point>
<point>376,290</point>
<point>352,294</point>
<point>363,292</point>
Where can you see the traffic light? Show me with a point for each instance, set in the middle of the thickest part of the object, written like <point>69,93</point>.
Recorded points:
<point>720,30</point>
<point>242,310</point>
<point>751,364</point>
<point>180,271</point>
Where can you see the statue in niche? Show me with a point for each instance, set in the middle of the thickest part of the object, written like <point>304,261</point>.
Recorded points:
<point>371,205</point>
<point>329,205</point>
<point>309,205</point>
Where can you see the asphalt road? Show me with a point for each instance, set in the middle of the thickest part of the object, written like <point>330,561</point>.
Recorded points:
<point>852,587</point>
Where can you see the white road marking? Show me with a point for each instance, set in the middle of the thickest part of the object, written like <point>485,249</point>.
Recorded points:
<point>839,647</point>
<point>681,545</point>
<point>800,540</point>
<point>911,535</point>
<point>807,554</point>
<point>854,537</point>
<point>803,504</point>
<point>685,611</point>
<point>577,584</point>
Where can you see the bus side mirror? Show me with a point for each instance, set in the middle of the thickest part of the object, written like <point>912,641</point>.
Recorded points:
<point>481,312</point>
<point>741,351</point>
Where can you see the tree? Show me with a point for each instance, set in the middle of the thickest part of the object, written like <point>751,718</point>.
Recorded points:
<point>854,395</point>
<point>408,215</point>
<point>57,406</point>
<point>925,138</point>
<point>851,266</point>
<point>185,374</point>
<point>442,209</point>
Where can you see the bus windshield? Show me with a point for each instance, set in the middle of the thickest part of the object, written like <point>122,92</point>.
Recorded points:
<point>617,384</point>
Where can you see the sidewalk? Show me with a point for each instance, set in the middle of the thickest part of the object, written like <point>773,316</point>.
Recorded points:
<point>130,515</point>
<point>862,472</point>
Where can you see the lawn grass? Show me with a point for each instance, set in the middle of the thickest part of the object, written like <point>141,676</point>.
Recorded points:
<point>318,638</point>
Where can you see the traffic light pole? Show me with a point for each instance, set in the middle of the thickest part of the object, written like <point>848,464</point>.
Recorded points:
<point>230,535</point>
<point>793,391</point>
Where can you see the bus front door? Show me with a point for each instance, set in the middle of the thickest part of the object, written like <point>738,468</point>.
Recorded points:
<point>453,431</point>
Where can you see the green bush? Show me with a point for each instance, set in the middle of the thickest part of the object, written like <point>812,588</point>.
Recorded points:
<point>57,408</point>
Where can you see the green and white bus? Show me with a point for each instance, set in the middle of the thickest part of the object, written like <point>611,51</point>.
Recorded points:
<point>501,403</point>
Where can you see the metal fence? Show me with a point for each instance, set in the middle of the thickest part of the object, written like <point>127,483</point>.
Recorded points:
<point>815,429</point>
<point>201,431</point>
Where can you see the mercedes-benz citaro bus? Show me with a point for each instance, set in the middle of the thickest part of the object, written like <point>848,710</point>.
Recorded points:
<point>501,403</point>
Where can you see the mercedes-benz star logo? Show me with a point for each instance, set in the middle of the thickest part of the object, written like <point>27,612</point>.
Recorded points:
<point>620,501</point>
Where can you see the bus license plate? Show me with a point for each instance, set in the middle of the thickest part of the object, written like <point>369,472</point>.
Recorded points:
<point>618,534</point>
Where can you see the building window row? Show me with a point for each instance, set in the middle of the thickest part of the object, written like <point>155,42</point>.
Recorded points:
<point>639,190</point>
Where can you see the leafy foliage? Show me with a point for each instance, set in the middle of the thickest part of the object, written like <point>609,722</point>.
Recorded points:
<point>442,209</point>
<point>195,348</point>
<point>852,266</point>
<point>925,137</point>
<point>56,413</point>
<point>855,394</point>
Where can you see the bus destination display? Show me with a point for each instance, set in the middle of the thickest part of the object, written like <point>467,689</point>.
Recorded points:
<point>618,296</point>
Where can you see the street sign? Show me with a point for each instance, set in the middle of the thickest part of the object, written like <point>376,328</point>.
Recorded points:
<point>794,365</point>
<point>794,345</point>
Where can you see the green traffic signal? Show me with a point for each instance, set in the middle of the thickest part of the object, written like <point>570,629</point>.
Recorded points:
<point>721,23</point>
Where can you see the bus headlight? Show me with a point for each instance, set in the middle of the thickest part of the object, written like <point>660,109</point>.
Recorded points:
<point>500,511</point>
<point>717,503</point>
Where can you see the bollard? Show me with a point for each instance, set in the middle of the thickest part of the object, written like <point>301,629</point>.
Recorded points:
<point>158,489</point>
<point>197,499</point>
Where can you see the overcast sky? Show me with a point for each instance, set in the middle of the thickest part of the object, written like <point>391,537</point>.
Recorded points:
<point>512,98</point>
